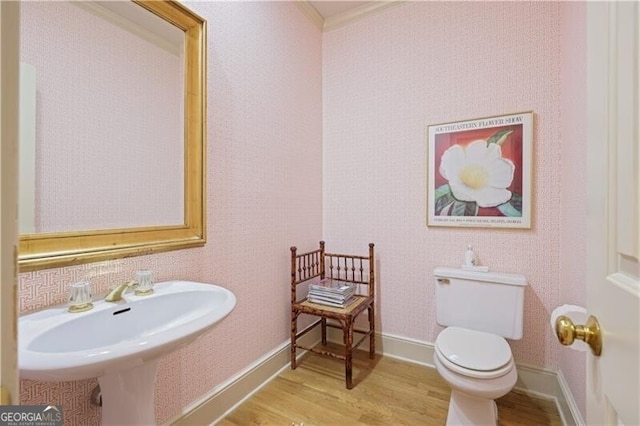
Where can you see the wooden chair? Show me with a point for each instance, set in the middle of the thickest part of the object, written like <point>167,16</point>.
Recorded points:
<point>318,265</point>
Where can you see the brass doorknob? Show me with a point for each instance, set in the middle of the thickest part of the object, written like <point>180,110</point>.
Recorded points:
<point>589,333</point>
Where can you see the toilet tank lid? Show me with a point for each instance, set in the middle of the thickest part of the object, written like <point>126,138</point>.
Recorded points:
<point>494,277</point>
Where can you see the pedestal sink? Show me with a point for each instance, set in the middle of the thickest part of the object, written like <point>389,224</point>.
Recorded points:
<point>120,343</point>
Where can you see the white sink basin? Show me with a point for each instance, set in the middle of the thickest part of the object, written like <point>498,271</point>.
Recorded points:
<point>55,345</point>
<point>119,343</point>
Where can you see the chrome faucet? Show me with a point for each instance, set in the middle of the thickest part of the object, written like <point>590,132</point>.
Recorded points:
<point>115,295</point>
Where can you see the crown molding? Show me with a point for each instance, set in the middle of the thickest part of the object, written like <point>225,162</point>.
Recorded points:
<point>311,13</point>
<point>358,13</point>
<point>344,18</point>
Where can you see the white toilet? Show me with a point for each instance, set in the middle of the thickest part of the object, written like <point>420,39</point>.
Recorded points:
<point>480,310</point>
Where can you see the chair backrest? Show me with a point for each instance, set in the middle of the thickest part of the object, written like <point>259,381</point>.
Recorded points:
<point>344,267</point>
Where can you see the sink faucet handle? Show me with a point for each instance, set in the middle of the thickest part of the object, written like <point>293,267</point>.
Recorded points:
<point>145,283</point>
<point>80,297</point>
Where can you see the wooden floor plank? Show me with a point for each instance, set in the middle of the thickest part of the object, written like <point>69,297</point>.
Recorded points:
<point>387,392</point>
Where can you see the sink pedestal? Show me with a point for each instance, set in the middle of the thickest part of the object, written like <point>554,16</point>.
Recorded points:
<point>128,395</point>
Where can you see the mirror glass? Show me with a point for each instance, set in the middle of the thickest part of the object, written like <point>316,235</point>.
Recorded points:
<point>102,117</point>
<point>111,131</point>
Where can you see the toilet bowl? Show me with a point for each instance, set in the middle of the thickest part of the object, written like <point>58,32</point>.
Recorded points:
<point>479,310</point>
<point>479,368</point>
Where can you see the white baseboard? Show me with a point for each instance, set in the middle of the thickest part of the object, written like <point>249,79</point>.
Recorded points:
<point>568,407</point>
<point>225,397</point>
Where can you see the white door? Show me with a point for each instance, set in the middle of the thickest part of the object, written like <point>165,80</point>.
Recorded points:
<point>613,286</point>
<point>9,19</point>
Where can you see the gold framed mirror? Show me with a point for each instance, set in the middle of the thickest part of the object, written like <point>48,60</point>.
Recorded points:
<point>44,248</point>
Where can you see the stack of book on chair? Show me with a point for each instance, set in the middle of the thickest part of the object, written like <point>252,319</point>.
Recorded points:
<point>332,293</point>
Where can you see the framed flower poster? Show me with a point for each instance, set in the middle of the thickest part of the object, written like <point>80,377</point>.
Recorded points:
<point>479,172</point>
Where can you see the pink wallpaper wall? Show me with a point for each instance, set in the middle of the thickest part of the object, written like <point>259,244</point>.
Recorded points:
<point>314,135</point>
<point>264,195</point>
<point>385,79</point>
<point>91,77</point>
<point>572,237</point>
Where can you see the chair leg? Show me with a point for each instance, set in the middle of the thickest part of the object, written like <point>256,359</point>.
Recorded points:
<point>324,331</point>
<point>372,328</point>
<point>348,351</point>
<point>294,332</point>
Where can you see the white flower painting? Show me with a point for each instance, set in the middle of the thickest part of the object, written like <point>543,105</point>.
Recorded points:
<point>480,171</point>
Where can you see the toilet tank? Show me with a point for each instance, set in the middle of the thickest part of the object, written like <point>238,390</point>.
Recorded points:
<point>485,301</point>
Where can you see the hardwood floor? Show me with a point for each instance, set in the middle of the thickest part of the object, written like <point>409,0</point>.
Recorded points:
<point>387,392</point>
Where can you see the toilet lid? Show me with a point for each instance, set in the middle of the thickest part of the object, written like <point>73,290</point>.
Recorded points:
<point>474,350</point>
